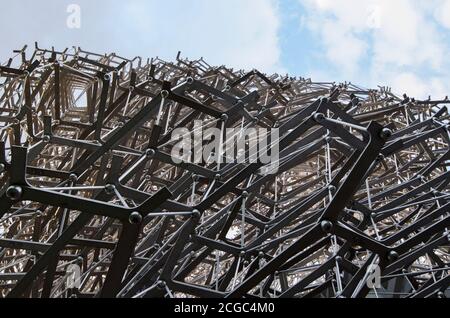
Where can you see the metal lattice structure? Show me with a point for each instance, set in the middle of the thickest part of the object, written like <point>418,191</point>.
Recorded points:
<point>87,183</point>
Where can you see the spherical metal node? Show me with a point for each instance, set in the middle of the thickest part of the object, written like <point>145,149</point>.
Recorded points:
<point>196,214</point>
<point>319,117</point>
<point>109,188</point>
<point>164,94</point>
<point>326,226</point>
<point>73,177</point>
<point>393,256</point>
<point>245,194</point>
<point>150,153</point>
<point>2,167</point>
<point>46,138</point>
<point>386,133</point>
<point>135,218</point>
<point>224,117</point>
<point>14,192</point>
<point>161,284</point>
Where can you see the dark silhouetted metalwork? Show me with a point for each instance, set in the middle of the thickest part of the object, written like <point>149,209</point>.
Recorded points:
<point>92,204</point>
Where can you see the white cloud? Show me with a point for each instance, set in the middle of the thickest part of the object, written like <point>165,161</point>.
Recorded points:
<point>384,42</point>
<point>237,33</point>
<point>410,83</point>
<point>339,31</point>
<point>442,13</point>
<point>240,34</point>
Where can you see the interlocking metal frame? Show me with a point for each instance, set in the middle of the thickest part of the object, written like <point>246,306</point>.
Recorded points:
<point>87,182</point>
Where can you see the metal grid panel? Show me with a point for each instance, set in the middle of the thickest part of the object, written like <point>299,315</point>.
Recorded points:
<point>87,180</point>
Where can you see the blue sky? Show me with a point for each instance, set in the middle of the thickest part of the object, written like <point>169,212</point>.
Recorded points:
<point>404,44</point>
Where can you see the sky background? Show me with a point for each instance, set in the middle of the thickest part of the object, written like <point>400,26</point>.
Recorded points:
<point>404,44</point>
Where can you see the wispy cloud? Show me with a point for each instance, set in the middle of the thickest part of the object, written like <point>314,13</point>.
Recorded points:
<point>398,43</point>
<point>403,43</point>
<point>240,34</point>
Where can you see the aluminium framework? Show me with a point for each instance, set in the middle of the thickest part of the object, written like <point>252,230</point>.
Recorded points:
<point>88,188</point>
